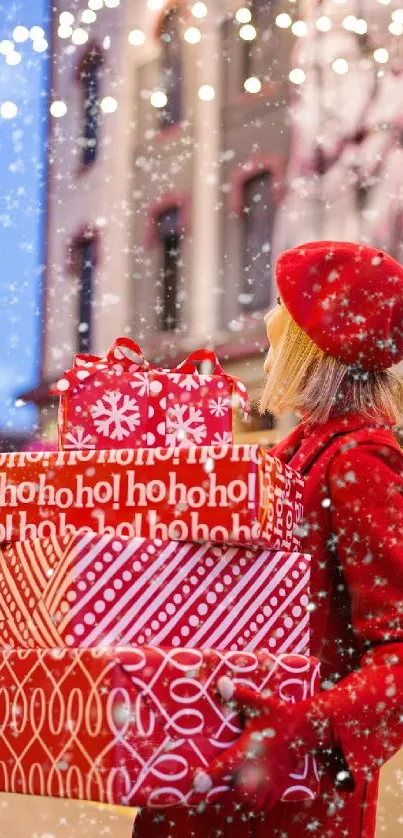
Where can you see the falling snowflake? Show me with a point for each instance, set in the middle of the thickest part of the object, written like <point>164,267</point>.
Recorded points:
<point>189,382</point>
<point>218,406</point>
<point>185,426</point>
<point>80,440</point>
<point>115,415</point>
<point>140,383</point>
<point>222,439</point>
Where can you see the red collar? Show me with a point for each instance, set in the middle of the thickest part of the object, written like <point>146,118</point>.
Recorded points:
<point>308,437</point>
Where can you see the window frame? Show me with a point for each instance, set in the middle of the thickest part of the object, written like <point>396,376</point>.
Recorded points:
<point>170,310</point>
<point>92,55</point>
<point>249,59</point>
<point>172,200</point>
<point>263,300</point>
<point>171,119</point>
<point>86,236</point>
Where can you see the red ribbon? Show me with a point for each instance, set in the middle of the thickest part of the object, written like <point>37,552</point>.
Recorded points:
<point>87,365</point>
<point>197,357</point>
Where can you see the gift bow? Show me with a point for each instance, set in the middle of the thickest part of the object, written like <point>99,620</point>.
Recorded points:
<point>87,365</point>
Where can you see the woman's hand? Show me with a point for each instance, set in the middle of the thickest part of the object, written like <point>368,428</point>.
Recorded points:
<point>276,736</point>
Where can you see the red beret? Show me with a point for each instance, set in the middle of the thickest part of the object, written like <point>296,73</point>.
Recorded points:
<point>348,298</point>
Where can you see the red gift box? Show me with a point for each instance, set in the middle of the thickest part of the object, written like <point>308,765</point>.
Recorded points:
<point>231,493</point>
<point>131,726</point>
<point>112,402</point>
<point>90,590</point>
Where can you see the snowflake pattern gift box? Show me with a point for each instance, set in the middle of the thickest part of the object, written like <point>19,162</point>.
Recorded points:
<point>112,402</point>
<point>131,726</point>
<point>87,590</point>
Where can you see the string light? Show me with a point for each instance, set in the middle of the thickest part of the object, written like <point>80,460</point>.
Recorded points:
<point>206,93</point>
<point>397,15</point>
<point>66,18</point>
<point>58,109</point>
<point>88,16</point>
<point>247,32</point>
<point>199,10</point>
<point>136,37</point>
<point>79,37</point>
<point>349,23</point>
<point>243,15</point>
<point>381,56</point>
<point>112,4</point>
<point>13,58</point>
<point>192,35</point>
<point>8,110</point>
<point>395,28</point>
<point>36,33</point>
<point>158,99</point>
<point>64,31</point>
<point>40,45</point>
<point>297,76</point>
<point>109,104</point>
<point>361,27</point>
<point>154,5</point>
<point>20,34</point>
<point>252,85</point>
<point>106,43</point>
<point>283,21</point>
<point>340,66</point>
<point>299,29</point>
<point>355,24</point>
<point>6,47</point>
<point>324,24</point>
<point>95,5</point>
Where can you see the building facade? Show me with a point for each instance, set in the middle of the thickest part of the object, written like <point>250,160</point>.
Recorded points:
<point>184,155</point>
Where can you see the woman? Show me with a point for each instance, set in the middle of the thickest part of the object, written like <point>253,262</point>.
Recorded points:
<point>337,329</point>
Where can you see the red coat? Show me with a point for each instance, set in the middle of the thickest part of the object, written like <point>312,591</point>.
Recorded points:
<point>354,533</point>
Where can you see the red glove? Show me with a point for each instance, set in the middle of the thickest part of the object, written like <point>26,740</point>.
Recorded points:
<point>276,736</point>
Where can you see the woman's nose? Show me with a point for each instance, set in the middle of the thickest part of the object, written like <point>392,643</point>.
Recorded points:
<point>269,314</point>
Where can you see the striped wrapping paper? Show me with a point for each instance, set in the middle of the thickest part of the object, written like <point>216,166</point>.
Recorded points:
<point>89,591</point>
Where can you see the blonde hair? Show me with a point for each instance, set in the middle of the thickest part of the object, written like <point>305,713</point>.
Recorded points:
<point>305,380</point>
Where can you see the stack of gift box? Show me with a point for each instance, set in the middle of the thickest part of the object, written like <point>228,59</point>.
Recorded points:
<point>148,557</point>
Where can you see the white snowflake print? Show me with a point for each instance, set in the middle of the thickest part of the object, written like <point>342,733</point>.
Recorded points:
<point>185,426</point>
<point>79,440</point>
<point>115,415</point>
<point>140,383</point>
<point>218,406</point>
<point>189,382</point>
<point>225,438</point>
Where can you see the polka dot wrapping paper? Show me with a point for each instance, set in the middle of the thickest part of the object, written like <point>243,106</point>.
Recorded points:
<point>112,402</point>
<point>131,725</point>
<point>87,590</point>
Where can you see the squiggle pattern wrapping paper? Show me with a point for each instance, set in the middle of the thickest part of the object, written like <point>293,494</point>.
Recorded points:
<point>131,725</point>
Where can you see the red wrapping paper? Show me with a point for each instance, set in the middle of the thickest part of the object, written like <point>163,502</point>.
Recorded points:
<point>231,493</point>
<point>89,590</point>
<point>130,726</point>
<point>112,402</point>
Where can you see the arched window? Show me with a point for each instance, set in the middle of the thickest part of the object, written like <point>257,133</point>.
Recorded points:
<point>169,236</point>
<point>171,68</point>
<point>255,52</point>
<point>90,79</point>
<point>258,221</point>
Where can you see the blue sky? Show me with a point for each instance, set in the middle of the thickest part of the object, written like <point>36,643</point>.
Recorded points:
<point>22,173</point>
